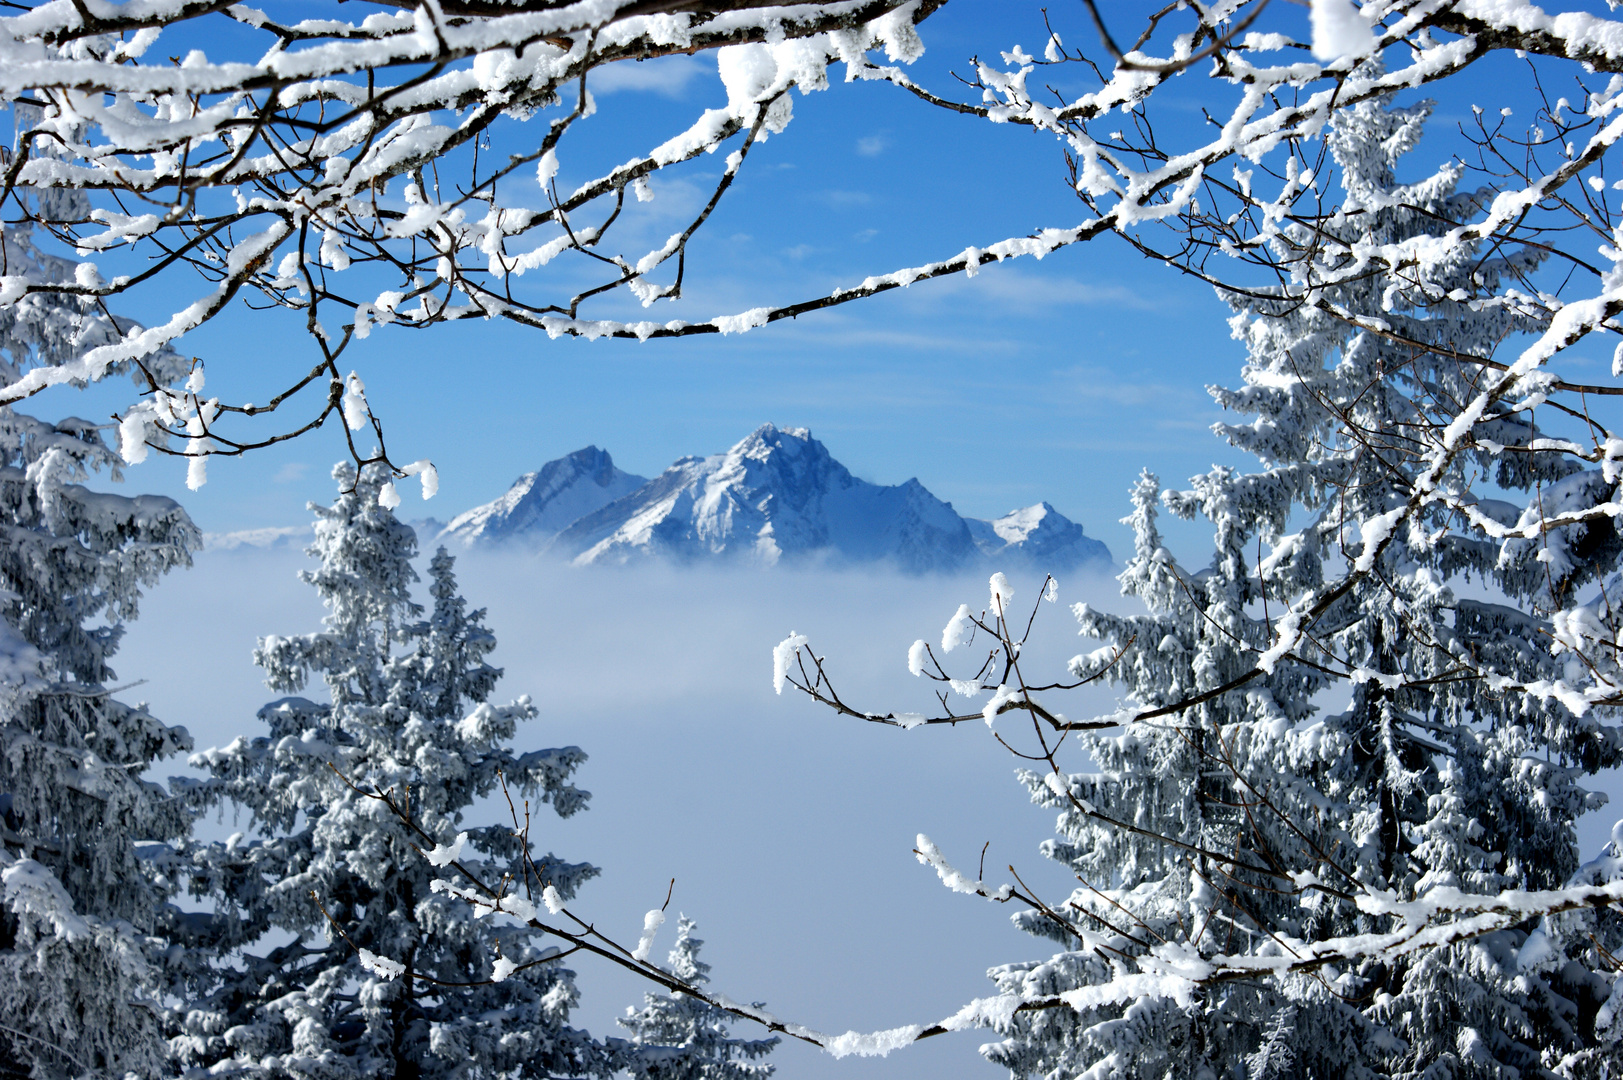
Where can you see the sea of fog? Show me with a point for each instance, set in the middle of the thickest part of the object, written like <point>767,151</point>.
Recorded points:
<point>788,829</point>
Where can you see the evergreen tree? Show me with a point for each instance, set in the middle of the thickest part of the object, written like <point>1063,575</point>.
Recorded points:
<point>1249,818</point>
<point>83,839</point>
<point>677,1037</point>
<point>384,977</point>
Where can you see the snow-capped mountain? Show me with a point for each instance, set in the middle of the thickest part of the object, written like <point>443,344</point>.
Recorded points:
<point>776,494</point>
<point>274,537</point>
<point>1038,537</point>
<point>544,502</point>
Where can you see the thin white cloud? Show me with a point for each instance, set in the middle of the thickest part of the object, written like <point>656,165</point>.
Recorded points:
<point>1173,405</point>
<point>667,76</point>
<point>872,145</point>
<point>1026,291</point>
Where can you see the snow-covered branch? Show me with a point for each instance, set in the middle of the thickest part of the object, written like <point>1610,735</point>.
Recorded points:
<point>321,174</point>
<point>370,173</point>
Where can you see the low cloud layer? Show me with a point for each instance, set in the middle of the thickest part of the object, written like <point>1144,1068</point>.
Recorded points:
<point>788,828</point>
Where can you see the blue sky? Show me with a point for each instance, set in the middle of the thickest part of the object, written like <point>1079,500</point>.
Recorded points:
<point>1055,380</point>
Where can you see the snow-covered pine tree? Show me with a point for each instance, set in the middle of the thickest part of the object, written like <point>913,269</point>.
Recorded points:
<point>678,1037</point>
<point>82,914</point>
<point>1249,820</point>
<point>383,977</point>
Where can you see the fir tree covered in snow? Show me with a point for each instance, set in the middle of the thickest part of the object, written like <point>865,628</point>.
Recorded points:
<point>82,837</point>
<point>403,981</point>
<point>1256,817</point>
<point>677,1037</point>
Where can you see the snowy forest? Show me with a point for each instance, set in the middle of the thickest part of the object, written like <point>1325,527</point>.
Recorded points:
<point>1314,789</point>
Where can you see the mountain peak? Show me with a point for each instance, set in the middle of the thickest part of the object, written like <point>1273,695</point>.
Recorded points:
<point>1015,526</point>
<point>776,494</point>
<point>769,442</point>
<point>773,434</point>
<point>545,501</point>
<point>1038,536</point>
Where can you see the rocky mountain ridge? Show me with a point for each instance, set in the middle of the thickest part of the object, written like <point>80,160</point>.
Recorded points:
<point>776,495</point>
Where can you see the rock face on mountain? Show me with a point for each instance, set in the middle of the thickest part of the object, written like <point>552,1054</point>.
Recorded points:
<point>775,496</point>
<point>1038,538</point>
<point>543,503</point>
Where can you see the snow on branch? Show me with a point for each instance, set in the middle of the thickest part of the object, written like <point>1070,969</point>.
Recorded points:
<point>311,173</point>
<point>317,175</point>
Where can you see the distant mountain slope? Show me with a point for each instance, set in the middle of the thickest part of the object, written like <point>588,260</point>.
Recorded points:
<point>1039,538</point>
<point>776,494</point>
<point>544,502</point>
<point>279,536</point>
